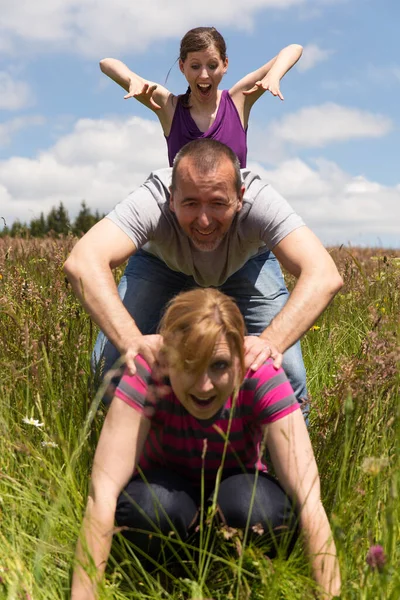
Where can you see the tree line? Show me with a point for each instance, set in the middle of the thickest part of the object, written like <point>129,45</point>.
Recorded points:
<point>56,223</point>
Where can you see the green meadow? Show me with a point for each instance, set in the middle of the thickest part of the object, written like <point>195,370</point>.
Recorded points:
<point>50,423</point>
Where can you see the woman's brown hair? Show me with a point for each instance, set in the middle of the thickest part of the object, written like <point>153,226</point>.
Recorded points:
<point>193,323</point>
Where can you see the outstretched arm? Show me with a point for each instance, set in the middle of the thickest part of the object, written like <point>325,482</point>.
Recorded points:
<point>120,446</point>
<point>89,269</point>
<point>293,459</point>
<point>267,78</point>
<point>153,95</point>
<point>318,280</point>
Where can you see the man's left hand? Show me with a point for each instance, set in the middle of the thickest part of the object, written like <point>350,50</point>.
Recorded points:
<point>257,350</point>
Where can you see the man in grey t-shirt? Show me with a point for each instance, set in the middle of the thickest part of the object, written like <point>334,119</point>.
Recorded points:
<point>206,228</point>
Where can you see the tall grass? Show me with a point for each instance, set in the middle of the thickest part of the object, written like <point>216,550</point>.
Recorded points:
<point>352,360</point>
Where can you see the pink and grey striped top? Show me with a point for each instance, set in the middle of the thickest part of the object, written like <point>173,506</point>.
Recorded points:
<point>187,445</point>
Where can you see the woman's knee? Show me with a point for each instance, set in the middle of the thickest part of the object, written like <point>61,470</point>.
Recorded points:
<point>158,504</point>
<point>257,501</point>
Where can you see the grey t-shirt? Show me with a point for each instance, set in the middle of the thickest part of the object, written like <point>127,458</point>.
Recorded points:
<point>264,220</point>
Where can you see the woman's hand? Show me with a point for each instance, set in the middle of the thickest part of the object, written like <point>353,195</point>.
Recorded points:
<point>292,457</point>
<point>267,84</point>
<point>119,449</point>
<point>143,94</point>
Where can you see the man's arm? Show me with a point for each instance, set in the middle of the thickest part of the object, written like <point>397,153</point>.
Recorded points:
<point>89,269</point>
<point>318,280</point>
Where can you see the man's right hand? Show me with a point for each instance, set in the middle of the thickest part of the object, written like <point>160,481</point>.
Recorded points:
<point>148,346</point>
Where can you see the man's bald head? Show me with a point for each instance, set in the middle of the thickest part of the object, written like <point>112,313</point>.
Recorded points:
<point>206,155</point>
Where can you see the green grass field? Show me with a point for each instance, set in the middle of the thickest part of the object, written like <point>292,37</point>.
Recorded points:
<point>48,435</point>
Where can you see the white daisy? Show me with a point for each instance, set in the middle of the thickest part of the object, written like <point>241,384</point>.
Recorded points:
<point>32,421</point>
<point>49,445</point>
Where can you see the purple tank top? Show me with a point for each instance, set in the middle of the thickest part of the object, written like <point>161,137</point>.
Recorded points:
<point>227,128</point>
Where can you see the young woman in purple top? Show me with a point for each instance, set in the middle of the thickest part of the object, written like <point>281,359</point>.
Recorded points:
<point>159,442</point>
<point>205,110</point>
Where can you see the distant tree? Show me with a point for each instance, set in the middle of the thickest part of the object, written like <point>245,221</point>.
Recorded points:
<point>85,220</point>
<point>19,229</point>
<point>5,229</point>
<point>38,227</point>
<point>58,220</point>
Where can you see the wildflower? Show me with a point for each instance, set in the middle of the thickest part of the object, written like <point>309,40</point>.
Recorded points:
<point>32,421</point>
<point>257,528</point>
<point>49,445</point>
<point>376,558</point>
<point>315,328</point>
<point>373,465</point>
<point>228,532</point>
<point>2,572</point>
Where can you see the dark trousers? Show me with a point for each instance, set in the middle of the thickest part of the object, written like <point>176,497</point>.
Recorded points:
<point>165,506</point>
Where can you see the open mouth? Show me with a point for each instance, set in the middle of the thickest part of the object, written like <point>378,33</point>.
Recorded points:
<point>204,233</point>
<point>203,403</point>
<point>204,88</point>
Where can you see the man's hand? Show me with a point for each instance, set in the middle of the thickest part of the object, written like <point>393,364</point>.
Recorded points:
<point>143,94</point>
<point>147,346</point>
<point>257,350</point>
<point>268,83</point>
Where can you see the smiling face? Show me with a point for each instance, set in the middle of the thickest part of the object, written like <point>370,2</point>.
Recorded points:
<point>203,352</point>
<point>204,71</point>
<point>203,394</point>
<point>205,204</point>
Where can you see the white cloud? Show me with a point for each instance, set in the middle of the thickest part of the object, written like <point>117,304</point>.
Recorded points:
<point>385,74</point>
<point>338,207</point>
<point>101,161</point>
<point>316,126</point>
<point>8,128</point>
<point>13,94</point>
<point>343,84</point>
<point>312,55</point>
<point>98,27</point>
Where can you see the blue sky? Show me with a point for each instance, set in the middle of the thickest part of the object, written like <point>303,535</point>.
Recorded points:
<point>331,148</point>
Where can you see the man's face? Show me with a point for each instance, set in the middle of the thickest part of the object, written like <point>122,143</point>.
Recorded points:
<point>205,205</point>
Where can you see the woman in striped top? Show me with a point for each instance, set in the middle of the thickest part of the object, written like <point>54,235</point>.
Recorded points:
<point>207,423</point>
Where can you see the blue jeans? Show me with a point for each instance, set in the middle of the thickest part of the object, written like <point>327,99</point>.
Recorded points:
<point>164,501</point>
<point>258,288</point>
